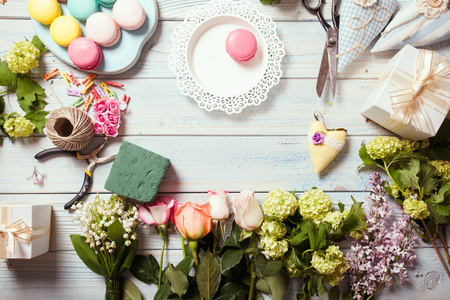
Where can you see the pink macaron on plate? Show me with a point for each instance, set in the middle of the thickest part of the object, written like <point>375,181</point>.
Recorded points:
<point>118,58</point>
<point>205,70</point>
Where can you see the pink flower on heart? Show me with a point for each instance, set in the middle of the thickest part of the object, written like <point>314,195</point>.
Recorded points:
<point>317,138</point>
<point>158,212</point>
<point>113,106</point>
<point>100,106</point>
<point>111,131</point>
<point>113,120</point>
<point>99,128</point>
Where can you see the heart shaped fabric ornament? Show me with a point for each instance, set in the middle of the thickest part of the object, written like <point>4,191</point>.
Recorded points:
<point>324,144</point>
<point>361,21</point>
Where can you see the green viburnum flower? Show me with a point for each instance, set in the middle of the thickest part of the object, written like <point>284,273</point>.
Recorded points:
<point>416,209</point>
<point>274,229</point>
<point>273,248</point>
<point>291,266</point>
<point>409,145</point>
<point>425,143</point>
<point>383,147</point>
<point>357,235</point>
<point>442,168</point>
<point>395,192</point>
<point>334,218</point>
<point>17,126</point>
<point>22,57</point>
<point>330,263</point>
<point>280,204</point>
<point>315,204</point>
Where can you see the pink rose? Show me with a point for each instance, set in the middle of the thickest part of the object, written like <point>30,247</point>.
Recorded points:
<point>113,120</point>
<point>247,212</point>
<point>100,106</point>
<point>113,106</point>
<point>99,128</point>
<point>219,206</point>
<point>158,212</point>
<point>111,131</point>
<point>101,118</point>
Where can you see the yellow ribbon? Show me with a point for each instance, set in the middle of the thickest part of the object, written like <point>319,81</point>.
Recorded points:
<point>14,233</point>
<point>430,87</point>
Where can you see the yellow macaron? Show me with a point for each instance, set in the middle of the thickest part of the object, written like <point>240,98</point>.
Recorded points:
<point>64,29</point>
<point>44,11</point>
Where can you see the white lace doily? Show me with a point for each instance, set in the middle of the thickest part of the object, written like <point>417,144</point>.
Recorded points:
<point>269,71</point>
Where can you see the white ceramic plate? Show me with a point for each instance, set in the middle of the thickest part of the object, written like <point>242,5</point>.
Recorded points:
<point>205,71</point>
<point>118,58</point>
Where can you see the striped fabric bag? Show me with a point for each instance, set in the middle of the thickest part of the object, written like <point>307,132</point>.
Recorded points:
<point>418,23</point>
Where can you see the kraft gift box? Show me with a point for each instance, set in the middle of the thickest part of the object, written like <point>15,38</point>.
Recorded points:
<point>24,230</point>
<point>412,97</point>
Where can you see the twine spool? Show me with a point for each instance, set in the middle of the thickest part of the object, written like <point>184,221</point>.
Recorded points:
<point>70,129</point>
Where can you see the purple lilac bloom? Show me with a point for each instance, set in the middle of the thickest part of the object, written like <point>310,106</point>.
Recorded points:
<point>383,251</point>
<point>317,138</point>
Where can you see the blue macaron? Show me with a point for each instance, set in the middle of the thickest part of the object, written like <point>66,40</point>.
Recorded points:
<point>107,3</point>
<point>82,9</point>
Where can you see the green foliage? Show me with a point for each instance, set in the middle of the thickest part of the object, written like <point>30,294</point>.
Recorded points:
<point>230,264</point>
<point>87,254</point>
<point>365,157</point>
<point>163,293</point>
<point>354,220</point>
<point>278,285</point>
<point>208,276</point>
<point>130,290</point>
<point>232,290</point>
<point>270,2</point>
<point>145,268</point>
<point>37,42</point>
<point>185,265</point>
<point>7,78</point>
<point>267,267</point>
<point>29,94</point>
<point>38,118</point>
<point>178,281</point>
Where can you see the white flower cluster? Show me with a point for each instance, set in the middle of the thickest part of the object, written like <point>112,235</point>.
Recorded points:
<point>95,217</point>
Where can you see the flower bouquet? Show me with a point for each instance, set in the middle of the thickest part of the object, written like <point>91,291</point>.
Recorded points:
<point>107,117</point>
<point>420,176</point>
<point>15,75</point>
<point>108,243</point>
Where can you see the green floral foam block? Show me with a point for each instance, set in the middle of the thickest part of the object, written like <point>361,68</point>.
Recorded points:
<point>136,173</point>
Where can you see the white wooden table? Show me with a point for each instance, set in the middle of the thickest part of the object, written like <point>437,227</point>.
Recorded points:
<point>260,149</point>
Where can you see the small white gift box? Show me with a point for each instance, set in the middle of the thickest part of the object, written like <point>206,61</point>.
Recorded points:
<point>24,230</point>
<point>412,97</point>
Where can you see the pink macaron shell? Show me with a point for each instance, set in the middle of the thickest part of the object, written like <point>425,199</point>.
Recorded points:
<point>241,44</point>
<point>102,29</point>
<point>85,53</point>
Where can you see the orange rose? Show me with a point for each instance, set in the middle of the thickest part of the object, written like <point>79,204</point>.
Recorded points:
<point>193,220</point>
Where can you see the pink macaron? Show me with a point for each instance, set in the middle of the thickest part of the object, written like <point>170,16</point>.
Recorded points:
<point>102,29</point>
<point>241,44</point>
<point>85,53</point>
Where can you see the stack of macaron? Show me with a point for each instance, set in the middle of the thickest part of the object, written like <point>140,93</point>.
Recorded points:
<point>101,28</point>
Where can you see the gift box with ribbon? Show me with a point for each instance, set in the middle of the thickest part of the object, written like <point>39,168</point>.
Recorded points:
<point>412,97</point>
<point>24,230</point>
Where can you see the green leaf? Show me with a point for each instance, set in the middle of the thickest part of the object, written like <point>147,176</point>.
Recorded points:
<point>2,104</point>
<point>232,291</point>
<point>208,276</point>
<point>442,194</point>
<point>341,207</point>
<point>354,220</point>
<point>27,91</point>
<point>435,215</point>
<point>7,78</point>
<point>270,2</point>
<point>38,118</point>
<point>408,174</point>
<point>365,157</point>
<point>179,283</point>
<point>39,103</point>
<point>128,260</point>
<point>278,285</point>
<point>86,254</point>
<point>145,268</point>
<point>427,178</point>
<point>299,237</point>
<point>37,42</point>
<point>334,293</point>
<point>185,265</point>
<point>262,286</point>
<point>317,235</point>
<point>130,291</point>
<point>230,259</point>
<point>267,267</point>
<point>235,235</point>
<point>443,210</point>
<point>163,293</point>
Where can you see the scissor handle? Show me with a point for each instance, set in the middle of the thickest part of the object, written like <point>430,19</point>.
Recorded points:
<point>317,11</point>
<point>52,151</point>
<point>81,193</point>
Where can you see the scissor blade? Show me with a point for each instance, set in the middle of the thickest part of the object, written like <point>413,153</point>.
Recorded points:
<point>323,72</point>
<point>332,59</point>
